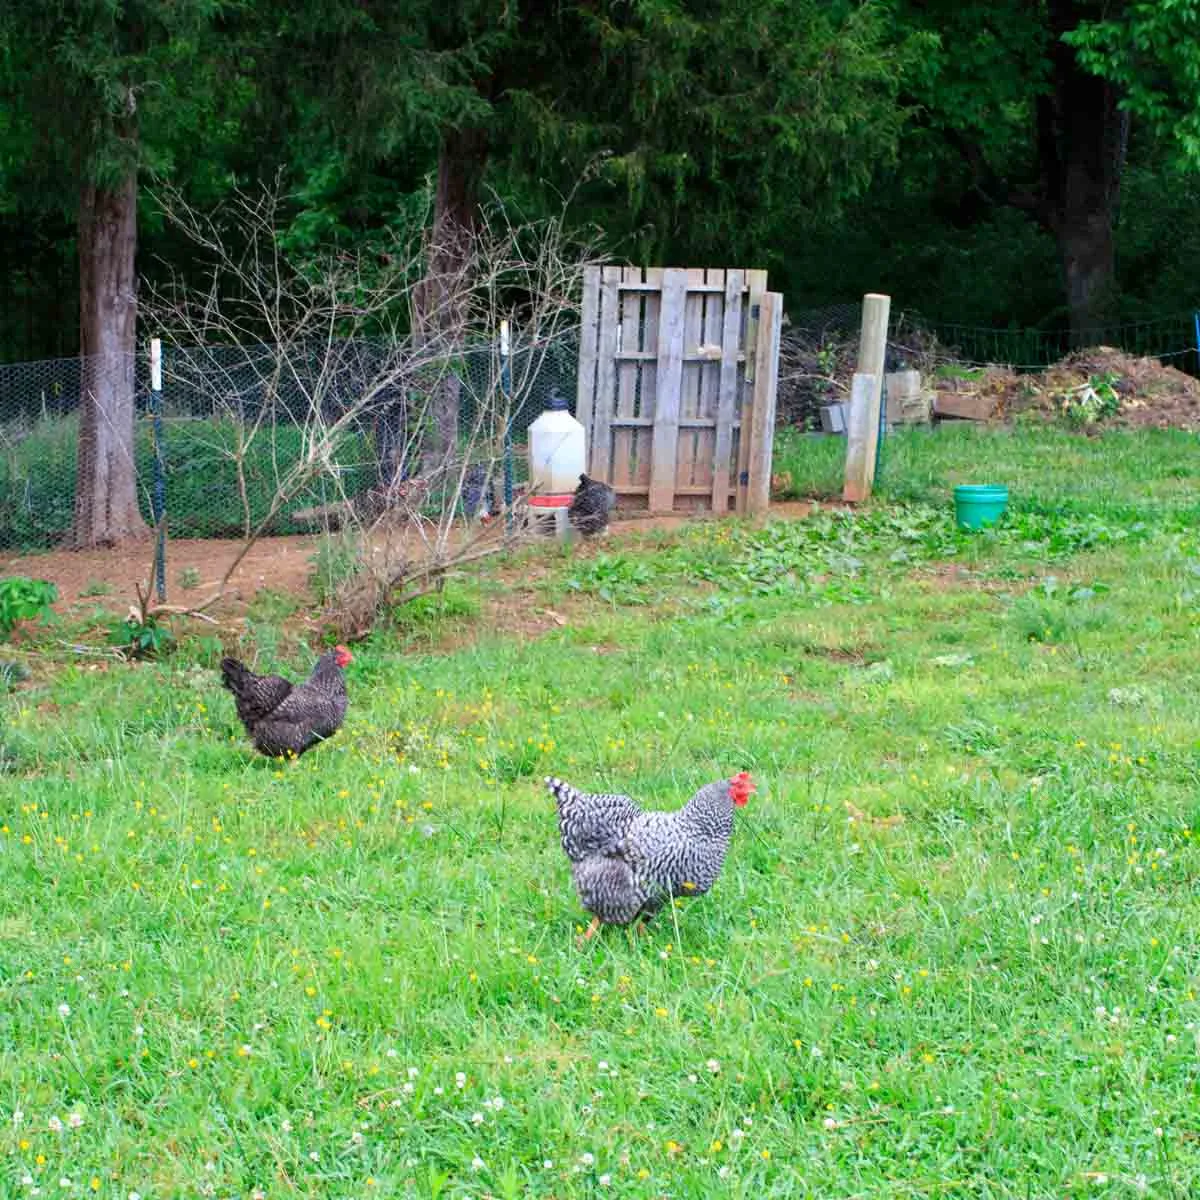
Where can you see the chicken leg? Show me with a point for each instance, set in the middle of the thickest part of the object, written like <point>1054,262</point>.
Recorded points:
<point>590,933</point>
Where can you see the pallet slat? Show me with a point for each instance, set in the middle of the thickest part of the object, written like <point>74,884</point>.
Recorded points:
<point>727,395</point>
<point>766,380</point>
<point>757,283</point>
<point>601,456</point>
<point>668,384</point>
<point>589,347</point>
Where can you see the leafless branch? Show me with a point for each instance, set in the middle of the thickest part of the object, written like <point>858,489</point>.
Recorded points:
<point>321,378</point>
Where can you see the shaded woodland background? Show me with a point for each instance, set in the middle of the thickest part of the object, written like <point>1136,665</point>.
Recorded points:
<point>1023,165</point>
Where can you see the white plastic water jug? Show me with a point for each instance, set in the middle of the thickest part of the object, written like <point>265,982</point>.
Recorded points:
<point>557,449</point>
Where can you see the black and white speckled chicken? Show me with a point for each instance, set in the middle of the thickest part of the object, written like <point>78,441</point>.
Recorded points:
<point>479,494</point>
<point>591,506</point>
<point>285,720</point>
<point>627,863</point>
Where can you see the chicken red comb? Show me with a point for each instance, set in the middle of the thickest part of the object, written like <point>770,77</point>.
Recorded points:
<point>343,656</point>
<point>741,788</point>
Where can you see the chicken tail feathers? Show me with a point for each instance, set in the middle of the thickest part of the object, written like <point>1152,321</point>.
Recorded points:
<point>562,792</point>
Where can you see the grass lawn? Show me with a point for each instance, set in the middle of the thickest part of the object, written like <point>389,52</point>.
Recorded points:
<point>952,951</point>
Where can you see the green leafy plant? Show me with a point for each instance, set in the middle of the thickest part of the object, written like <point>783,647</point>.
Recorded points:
<point>24,599</point>
<point>614,578</point>
<point>1094,401</point>
<point>189,578</point>
<point>141,638</point>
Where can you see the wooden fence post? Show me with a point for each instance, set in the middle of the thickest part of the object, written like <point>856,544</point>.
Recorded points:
<point>862,437</point>
<point>766,381</point>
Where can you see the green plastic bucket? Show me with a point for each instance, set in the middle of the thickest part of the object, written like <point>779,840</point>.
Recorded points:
<point>977,505</point>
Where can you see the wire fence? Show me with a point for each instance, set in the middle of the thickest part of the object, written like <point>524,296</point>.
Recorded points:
<point>236,430</point>
<point>231,423</point>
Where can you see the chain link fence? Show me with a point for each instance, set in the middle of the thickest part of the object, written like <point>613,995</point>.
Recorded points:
<point>244,434</point>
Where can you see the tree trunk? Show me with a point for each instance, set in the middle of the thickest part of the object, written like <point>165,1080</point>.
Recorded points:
<point>1082,136</point>
<point>440,313</point>
<point>106,505</point>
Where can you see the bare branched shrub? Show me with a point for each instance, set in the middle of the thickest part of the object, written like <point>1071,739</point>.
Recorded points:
<point>818,355</point>
<point>321,381</point>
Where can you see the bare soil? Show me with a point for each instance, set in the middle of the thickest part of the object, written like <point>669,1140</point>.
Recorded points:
<point>107,578</point>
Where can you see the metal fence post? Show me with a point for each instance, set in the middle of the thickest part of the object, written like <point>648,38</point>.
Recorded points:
<point>506,392</point>
<point>159,495</point>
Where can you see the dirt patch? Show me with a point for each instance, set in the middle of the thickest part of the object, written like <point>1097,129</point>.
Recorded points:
<point>951,576</point>
<point>107,577</point>
<point>851,656</point>
<point>281,564</point>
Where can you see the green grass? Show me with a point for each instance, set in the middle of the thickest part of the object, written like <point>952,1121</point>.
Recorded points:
<point>356,975</point>
<point>204,497</point>
<point>1112,474</point>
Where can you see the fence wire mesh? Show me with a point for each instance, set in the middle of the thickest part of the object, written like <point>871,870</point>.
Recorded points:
<point>819,350</point>
<point>242,429</point>
<point>273,440</point>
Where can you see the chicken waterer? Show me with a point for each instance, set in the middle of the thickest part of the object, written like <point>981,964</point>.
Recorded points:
<point>557,458</point>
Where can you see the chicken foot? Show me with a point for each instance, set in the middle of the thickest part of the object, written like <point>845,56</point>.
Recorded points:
<point>590,933</point>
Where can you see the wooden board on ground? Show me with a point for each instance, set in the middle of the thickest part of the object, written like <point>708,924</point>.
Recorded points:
<point>963,406</point>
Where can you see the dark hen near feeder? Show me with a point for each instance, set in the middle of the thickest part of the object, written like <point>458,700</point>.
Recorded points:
<point>591,507</point>
<point>285,720</point>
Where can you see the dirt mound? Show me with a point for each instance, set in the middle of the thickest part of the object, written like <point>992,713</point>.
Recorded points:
<point>1152,396</point>
<point>1099,387</point>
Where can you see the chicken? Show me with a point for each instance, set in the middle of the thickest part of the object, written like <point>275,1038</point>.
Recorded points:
<point>478,494</point>
<point>591,506</point>
<point>627,863</point>
<point>285,720</point>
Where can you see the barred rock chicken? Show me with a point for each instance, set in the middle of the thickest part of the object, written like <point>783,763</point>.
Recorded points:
<point>628,863</point>
<point>591,506</point>
<point>479,494</point>
<point>285,720</point>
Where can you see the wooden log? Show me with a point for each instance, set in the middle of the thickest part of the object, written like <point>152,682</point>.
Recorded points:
<point>668,382</point>
<point>766,382</point>
<point>863,434</point>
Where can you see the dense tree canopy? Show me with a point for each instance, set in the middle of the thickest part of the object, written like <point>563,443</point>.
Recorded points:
<point>1028,163</point>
